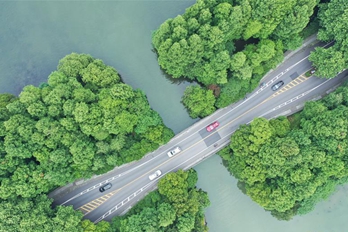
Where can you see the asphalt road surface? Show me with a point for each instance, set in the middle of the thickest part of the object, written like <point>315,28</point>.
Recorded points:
<point>131,182</point>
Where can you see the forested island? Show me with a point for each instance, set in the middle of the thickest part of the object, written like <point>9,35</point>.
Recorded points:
<point>228,46</point>
<point>288,165</point>
<point>83,121</point>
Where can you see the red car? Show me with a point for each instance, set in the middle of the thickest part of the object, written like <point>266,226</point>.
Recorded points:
<point>212,126</point>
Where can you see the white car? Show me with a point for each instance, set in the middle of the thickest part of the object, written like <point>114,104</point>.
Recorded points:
<point>155,175</point>
<point>174,151</point>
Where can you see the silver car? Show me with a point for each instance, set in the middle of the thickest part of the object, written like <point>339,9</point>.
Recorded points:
<point>155,175</point>
<point>174,151</point>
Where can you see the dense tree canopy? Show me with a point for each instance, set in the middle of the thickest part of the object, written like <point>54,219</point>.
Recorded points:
<point>35,214</point>
<point>84,121</point>
<point>176,206</point>
<point>287,171</point>
<point>198,101</point>
<point>333,18</point>
<point>201,44</point>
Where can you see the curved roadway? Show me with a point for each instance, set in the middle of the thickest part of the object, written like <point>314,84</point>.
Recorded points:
<point>131,182</point>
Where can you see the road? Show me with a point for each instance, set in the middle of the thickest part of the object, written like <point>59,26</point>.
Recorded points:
<point>131,182</point>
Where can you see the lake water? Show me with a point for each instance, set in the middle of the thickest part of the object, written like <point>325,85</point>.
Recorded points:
<point>34,35</point>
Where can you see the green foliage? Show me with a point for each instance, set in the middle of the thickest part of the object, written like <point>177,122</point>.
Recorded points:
<point>176,206</point>
<point>200,44</point>
<point>89,226</point>
<point>294,21</point>
<point>87,115</point>
<point>173,186</point>
<point>198,101</point>
<point>252,29</point>
<point>72,65</point>
<point>288,169</point>
<point>84,121</point>
<point>35,214</point>
<point>328,62</point>
<point>333,18</point>
<point>99,75</point>
<point>5,99</point>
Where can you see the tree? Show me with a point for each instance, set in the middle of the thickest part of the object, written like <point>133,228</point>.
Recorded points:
<point>333,21</point>
<point>252,28</point>
<point>185,223</point>
<point>36,215</point>
<point>281,126</point>
<point>99,75</point>
<point>69,129</point>
<point>287,171</point>
<point>72,64</point>
<point>199,102</point>
<point>161,211</point>
<point>295,20</point>
<point>174,186</point>
<point>166,214</point>
<point>328,62</point>
<point>82,122</point>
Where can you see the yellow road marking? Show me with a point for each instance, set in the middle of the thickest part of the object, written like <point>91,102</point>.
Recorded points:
<point>88,206</point>
<point>83,208</point>
<point>95,203</point>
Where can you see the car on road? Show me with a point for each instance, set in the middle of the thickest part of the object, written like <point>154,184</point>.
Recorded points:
<point>105,187</point>
<point>212,126</point>
<point>155,175</point>
<point>174,151</point>
<point>277,85</point>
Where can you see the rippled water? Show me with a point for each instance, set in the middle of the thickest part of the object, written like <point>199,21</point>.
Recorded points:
<point>34,35</point>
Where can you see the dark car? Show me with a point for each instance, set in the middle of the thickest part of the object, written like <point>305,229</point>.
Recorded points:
<point>212,126</point>
<point>277,85</point>
<point>105,187</point>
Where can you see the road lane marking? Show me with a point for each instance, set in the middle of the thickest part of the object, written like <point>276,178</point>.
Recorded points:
<point>95,203</point>
<point>92,205</point>
<point>86,207</point>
